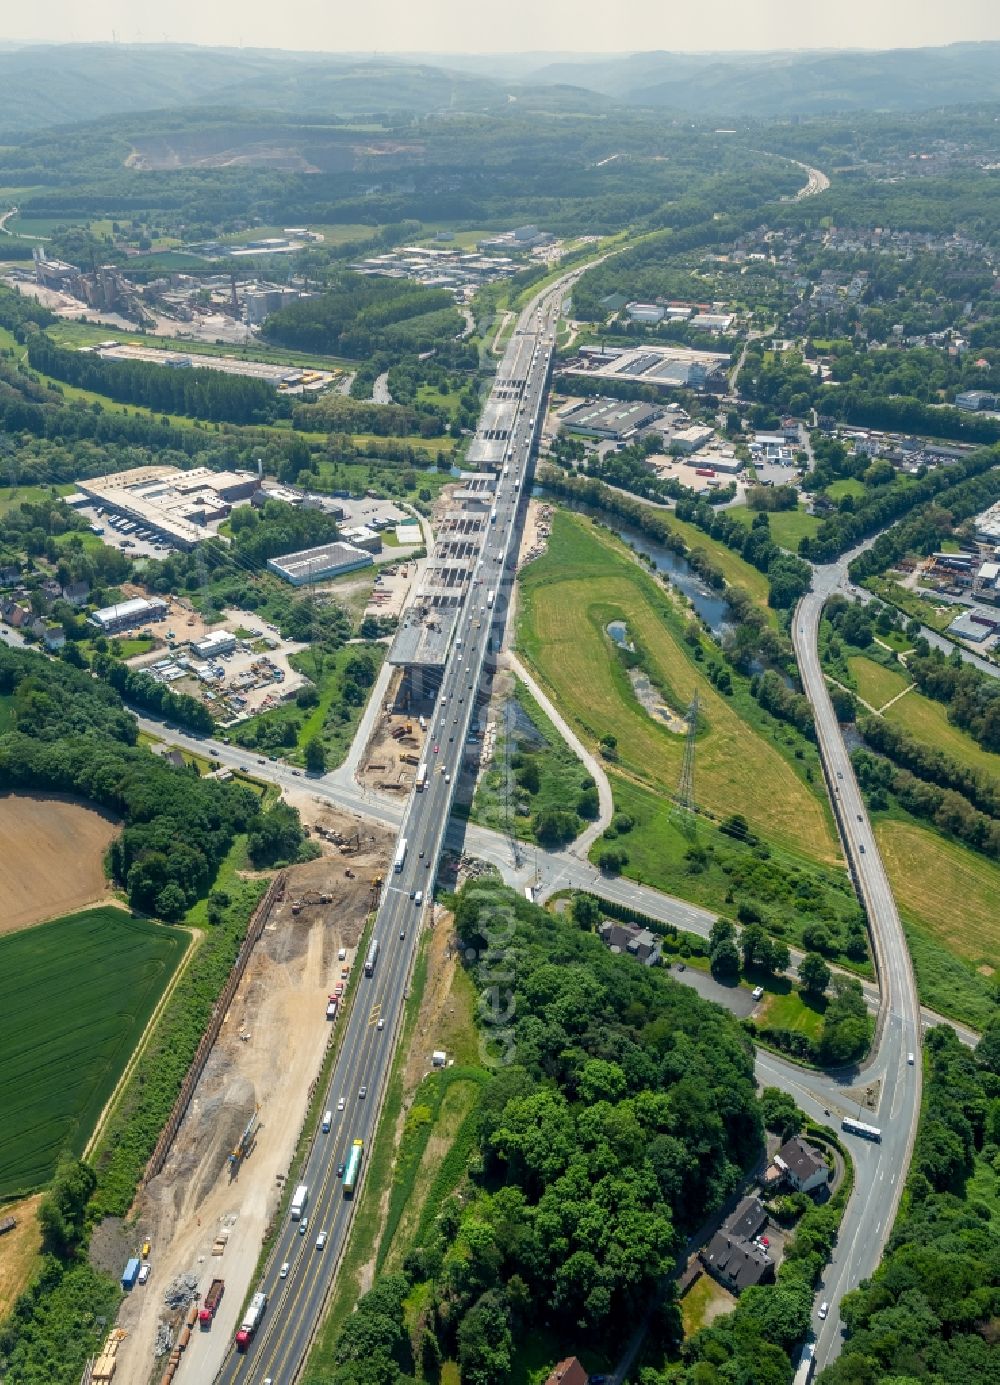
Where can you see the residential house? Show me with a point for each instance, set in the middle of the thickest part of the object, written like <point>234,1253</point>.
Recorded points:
<point>736,1264</point>
<point>76,593</point>
<point>628,937</point>
<point>51,635</point>
<point>734,1255</point>
<point>568,1372</point>
<point>802,1165</point>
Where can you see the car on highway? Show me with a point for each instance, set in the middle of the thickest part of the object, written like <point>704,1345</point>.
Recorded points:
<point>381,1024</point>
<point>340,1169</point>
<point>418,897</point>
<point>437,749</point>
<point>321,1240</point>
<point>447,778</point>
<point>824,1308</point>
<point>283,1272</point>
<point>303,1226</point>
<point>909,1059</point>
<point>362,1092</point>
<point>340,1104</point>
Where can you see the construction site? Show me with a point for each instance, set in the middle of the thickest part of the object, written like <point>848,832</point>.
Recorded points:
<point>207,1211</point>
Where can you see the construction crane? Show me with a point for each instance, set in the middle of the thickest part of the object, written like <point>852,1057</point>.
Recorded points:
<point>244,1144</point>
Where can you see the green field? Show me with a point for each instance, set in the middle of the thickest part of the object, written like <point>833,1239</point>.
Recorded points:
<point>920,716</point>
<point>848,486</point>
<point>784,1007</point>
<point>787,526</point>
<point>876,684</point>
<point>80,991</point>
<point>587,579</point>
<point>29,495</point>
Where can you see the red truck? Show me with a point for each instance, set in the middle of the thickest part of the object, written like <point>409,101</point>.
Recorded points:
<point>211,1302</point>
<point>703,471</point>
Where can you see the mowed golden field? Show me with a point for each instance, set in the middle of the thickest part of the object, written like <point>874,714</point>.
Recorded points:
<point>51,858</point>
<point>587,579</point>
<point>951,892</point>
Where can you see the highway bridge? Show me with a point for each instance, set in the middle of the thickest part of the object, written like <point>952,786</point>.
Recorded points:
<point>449,644</point>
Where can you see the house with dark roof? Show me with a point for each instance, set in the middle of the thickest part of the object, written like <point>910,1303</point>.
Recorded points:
<point>736,1264</point>
<point>629,937</point>
<point>568,1372</point>
<point>733,1256</point>
<point>802,1165</point>
<point>748,1221</point>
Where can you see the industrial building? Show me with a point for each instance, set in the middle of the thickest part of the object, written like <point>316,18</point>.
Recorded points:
<point>363,536</point>
<point>689,439</point>
<point>212,646</point>
<point>974,400</point>
<point>127,615</point>
<point>177,506</point>
<point>647,314</point>
<point>668,367</point>
<point>608,418</point>
<point>988,525</point>
<point>320,564</point>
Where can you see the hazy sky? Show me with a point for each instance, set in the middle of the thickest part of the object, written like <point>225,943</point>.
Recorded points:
<point>511,25</point>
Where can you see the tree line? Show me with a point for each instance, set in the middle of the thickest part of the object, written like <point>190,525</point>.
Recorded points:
<point>943,495</point>
<point>198,392</point>
<point>949,811</point>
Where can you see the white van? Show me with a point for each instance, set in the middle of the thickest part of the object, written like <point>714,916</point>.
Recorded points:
<point>327,1121</point>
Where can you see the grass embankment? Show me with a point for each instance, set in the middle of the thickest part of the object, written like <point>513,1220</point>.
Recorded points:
<point>537,749</point>
<point>438,1135</point>
<point>948,897</point>
<point>787,526</point>
<point>30,495</point>
<point>587,579</point>
<point>83,988</point>
<point>876,684</point>
<point>785,890</point>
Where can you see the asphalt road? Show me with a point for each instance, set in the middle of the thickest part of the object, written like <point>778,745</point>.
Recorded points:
<point>295,1302</point>
<point>880,1168</point>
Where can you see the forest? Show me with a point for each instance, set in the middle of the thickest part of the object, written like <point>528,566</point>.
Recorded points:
<point>356,316</point>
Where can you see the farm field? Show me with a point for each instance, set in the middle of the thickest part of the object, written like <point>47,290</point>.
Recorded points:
<point>586,580</point>
<point>946,889</point>
<point>51,858</point>
<point>19,1251</point>
<point>86,986</point>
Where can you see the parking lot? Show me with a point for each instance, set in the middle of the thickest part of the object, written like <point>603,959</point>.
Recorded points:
<point>114,536</point>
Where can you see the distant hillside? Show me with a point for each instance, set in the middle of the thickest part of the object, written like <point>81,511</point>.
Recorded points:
<point>64,84</point>
<point>786,84</point>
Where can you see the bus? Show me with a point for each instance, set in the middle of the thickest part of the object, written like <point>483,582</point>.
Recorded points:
<point>867,1132</point>
<point>400,856</point>
<point>372,958</point>
<point>353,1167</point>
